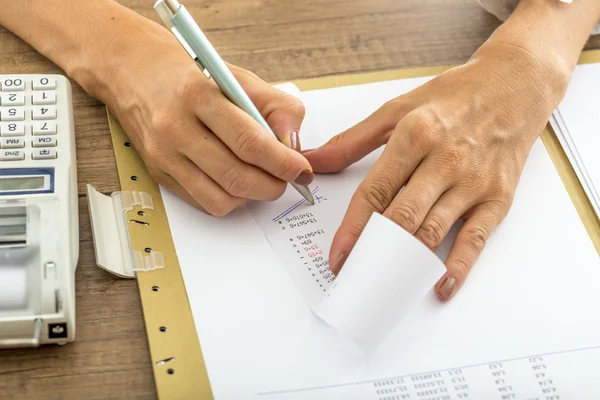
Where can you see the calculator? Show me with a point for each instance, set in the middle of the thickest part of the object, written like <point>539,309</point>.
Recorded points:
<point>39,220</point>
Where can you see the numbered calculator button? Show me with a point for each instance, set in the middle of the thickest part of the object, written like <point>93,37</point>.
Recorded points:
<point>43,83</point>
<point>43,154</point>
<point>12,143</point>
<point>43,98</point>
<point>12,84</point>
<point>12,155</point>
<point>43,128</point>
<point>44,141</point>
<point>12,99</point>
<point>12,129</point>
<point>12,114</point>
<point>43,113</point>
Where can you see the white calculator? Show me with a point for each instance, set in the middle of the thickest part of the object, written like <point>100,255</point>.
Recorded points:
<point>39,224</point>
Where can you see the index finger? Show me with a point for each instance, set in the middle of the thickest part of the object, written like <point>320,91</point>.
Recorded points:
<point>374,194</point>
<point>250,142</point>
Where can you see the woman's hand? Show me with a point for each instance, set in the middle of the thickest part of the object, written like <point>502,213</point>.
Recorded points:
<point>455,149</point>
<point>192,139</point>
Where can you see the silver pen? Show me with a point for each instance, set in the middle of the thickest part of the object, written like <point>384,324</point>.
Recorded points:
<point>179,21</point>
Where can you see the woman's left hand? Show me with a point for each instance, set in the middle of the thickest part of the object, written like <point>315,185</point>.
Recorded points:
<point>457,145</point>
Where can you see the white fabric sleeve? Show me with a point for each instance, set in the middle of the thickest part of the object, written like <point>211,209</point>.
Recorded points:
<point>503,8</point>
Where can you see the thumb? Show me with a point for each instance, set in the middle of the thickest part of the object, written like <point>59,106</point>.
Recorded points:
<point>282,111</point>
<point>285,118</point>
<point>353,144</point>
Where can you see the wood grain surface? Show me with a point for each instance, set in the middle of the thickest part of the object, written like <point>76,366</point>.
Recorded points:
<point>277,39</point>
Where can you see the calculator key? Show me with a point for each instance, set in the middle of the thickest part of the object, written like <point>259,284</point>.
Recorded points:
<point>43,83</point>
<point>43,113</point>
<point>13,99</point>
<point>12,129</point>
<point>44,141</point>
<point>12,143</point>
<point>12,114</point>
<point>43,98</point>
<point>13,84</point>
<point>43,128</point>
<point>12,155</point>
<point>43,154</point>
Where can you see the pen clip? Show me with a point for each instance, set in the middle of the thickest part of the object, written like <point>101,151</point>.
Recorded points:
<point>166,14</point>
<point>189,50</point>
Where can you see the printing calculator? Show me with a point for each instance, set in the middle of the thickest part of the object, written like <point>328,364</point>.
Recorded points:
<point>39,226</point>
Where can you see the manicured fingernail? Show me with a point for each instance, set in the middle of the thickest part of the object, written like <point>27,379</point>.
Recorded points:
<point>339,261</point>
<point>447,287</point>
<point>295,141</point>
<point>305,177</point>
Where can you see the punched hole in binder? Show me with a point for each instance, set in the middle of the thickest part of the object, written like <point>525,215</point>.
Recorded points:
<point>136,221</point>
<point>166,360</point>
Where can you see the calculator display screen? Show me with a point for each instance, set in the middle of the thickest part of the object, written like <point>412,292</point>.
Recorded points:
<point>13,183</point>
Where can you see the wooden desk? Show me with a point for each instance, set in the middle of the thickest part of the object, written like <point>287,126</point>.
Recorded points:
<point>322,37</point>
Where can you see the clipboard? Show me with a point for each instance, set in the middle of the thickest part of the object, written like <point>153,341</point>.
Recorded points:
<point>175,348</point>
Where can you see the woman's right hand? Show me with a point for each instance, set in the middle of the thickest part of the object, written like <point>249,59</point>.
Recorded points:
<point>192,139</point>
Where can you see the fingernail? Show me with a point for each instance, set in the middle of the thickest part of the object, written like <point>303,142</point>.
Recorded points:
<point>339,261</point>
<point>306,151</point>
<point>447,287</point>
<point>295,141</point>
<point>305,177</point>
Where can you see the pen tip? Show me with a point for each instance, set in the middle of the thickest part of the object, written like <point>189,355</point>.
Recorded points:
<point>306,193</point>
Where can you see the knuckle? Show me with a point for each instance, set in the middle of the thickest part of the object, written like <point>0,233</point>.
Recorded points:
<point>339,138</point>
<point>163,122</point>
<point>406,216</point>
<point>461,268</point>
<point>423,133</point>
<point>236,182</point>
<point>299,109</point>
<point>479,176</point>
<point>476,237</point>
<point>293,105</point>
<point>503,190</point>
<point>453,159</point>
<point>377,194</point>
<point>431,233</point>
<point>219,207</point>
<point>247,143</point>
<point>244,73</point>
<point>286,166</point>
<point>194,91</point>
<point>153,152</point>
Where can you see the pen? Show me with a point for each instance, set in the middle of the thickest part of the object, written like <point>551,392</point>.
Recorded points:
<point>179,21</point>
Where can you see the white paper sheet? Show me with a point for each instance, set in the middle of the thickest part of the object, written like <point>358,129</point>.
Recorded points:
<point>576,122</point>
<point>13,288</point>
<point>529,306</point>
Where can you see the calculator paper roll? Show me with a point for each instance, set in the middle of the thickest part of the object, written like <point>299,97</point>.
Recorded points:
<point>387,272</point>
<point>13,288</point>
